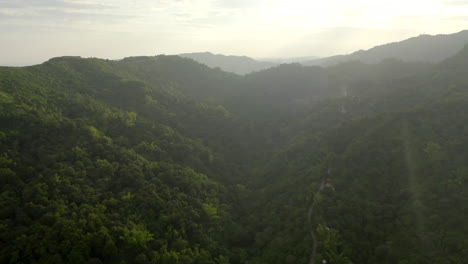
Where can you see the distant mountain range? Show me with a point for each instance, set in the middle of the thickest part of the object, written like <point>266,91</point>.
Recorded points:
<point>290,60</point>
<point>241,64</point>
<point>424,48</point>
<point>236,64</point>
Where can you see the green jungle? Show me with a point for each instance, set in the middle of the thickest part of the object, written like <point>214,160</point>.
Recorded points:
<point>165,160</point>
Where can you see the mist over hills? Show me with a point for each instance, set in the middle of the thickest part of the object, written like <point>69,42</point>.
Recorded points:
<point>236,64</point>
<point>241,64</point>
<point>424,48</point>
<point>161,159</point>
<point>289,60</point>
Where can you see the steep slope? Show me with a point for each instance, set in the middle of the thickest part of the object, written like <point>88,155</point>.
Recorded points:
<point>184,75</point>
<point>100,168</point>
<point>237,64</point>
<point>424,48</point>
<point>395,180</point>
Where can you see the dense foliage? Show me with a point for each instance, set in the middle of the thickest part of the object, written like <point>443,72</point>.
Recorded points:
<point>163,160</point>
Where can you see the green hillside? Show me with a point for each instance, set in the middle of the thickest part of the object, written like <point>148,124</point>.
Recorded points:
<point>164,160</point>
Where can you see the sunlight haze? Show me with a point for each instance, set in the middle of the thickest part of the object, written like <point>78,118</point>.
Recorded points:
<point>33,31</point>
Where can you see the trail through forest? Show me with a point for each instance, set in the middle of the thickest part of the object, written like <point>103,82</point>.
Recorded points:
<point>325,183</point>
<point>312,227</point>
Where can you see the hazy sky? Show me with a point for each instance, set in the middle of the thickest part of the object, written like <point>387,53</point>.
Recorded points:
<point>32,31</point>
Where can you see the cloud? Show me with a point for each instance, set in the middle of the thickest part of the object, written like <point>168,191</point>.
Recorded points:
<point>51,4</point>
<point>118,28</point>
<point>60,14</point>
<point>453,2</point>
<point>215,20</point>
<point>65,15</point>
<point>241,4</point>
<point>455,18</point>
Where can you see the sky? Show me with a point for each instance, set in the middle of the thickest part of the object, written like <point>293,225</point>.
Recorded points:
<point>33,31</point>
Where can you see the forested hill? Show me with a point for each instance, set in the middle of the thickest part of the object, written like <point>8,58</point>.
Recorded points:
<point>165,160</point>
<point>424,48</point>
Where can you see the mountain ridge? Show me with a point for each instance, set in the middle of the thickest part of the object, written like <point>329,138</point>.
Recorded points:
<point>423,48</point>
